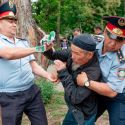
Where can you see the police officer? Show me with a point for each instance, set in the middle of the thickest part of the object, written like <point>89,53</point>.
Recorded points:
<point>111,55</point>
<point>18,93</point>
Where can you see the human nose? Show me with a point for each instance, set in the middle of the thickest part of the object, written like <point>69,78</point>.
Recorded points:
<point>112,42</point>
<point>73,56</point>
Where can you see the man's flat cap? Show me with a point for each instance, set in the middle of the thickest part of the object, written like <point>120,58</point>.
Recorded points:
<point>85,41</point>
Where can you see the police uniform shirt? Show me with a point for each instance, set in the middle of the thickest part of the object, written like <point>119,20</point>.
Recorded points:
<point>15,75</point>
<point>113,72</point>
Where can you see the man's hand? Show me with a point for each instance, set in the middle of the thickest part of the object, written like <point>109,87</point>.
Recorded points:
<point>52,77</point>
<point>59,65</point>
<point>81,79</point>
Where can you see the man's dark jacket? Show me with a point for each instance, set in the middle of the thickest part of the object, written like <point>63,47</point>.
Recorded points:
<point>81,98</point>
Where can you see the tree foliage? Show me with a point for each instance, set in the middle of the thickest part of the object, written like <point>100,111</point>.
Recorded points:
<point>74,13</point>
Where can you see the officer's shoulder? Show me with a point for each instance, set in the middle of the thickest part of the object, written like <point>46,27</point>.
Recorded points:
<point>121,54</point>
<point>23,41</point>
<point>98,38</point>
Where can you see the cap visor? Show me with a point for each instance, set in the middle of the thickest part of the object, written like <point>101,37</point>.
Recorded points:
<point>9,17</point>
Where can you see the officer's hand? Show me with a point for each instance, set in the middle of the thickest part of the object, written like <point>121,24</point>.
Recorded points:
<point>52,77</point>
<point>59,65</point>
<point>52,69</point>
<point>43,48</point>
<point>81,79</point>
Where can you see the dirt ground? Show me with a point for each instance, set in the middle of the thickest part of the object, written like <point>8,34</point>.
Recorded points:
<point>103,120</point>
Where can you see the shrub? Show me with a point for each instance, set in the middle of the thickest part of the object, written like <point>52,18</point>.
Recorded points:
<point>47,89</point>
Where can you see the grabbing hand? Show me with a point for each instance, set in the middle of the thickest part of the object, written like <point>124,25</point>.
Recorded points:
<point>59,65</point>
<point>52,77</point>
<point>81,78</point>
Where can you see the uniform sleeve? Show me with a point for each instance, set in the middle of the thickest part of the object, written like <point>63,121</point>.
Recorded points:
<point>1,45</point>
<point>26,44</point>
<point>116,78</point>
<point>31,57</point>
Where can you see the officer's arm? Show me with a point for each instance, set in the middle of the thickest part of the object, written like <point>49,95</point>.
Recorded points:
<point>15,53</point>
<point>100,88</point>
<point>39,71</point>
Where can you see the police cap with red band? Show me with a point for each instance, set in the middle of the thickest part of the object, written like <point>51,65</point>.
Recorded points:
<point>8,10</point>
<point>115,25</point>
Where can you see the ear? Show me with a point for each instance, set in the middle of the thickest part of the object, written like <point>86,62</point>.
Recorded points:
<point>104,31</point>
<point>90,54</point>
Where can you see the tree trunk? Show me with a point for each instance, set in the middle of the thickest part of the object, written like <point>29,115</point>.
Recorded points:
<point>26,24</point>
<point>27,27</point>
<point>1,1</point>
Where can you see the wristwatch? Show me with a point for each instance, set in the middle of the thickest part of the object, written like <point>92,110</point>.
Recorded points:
<point>87,83</point>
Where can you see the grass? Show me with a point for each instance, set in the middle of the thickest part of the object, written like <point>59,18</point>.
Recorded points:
<point>55,110</point>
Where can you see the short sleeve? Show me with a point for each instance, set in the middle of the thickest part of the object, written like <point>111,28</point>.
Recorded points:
<point>116,78</point>
<point>31,57</point>
<point>25,43</point>
<point>1,45</point>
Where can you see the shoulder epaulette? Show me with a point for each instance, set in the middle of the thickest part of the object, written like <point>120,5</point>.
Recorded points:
<point>98,38</point>
<point>21,38</point>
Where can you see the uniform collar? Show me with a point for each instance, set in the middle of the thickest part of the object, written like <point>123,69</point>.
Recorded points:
<point>6,38</point>
<point>3,37</point>
<point>99,49</point>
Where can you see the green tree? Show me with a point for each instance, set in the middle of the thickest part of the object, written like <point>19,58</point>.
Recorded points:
<point>74,13</point>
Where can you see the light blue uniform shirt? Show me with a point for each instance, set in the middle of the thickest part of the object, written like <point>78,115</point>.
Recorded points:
<point>15,75</point>
<point>112,69</point>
